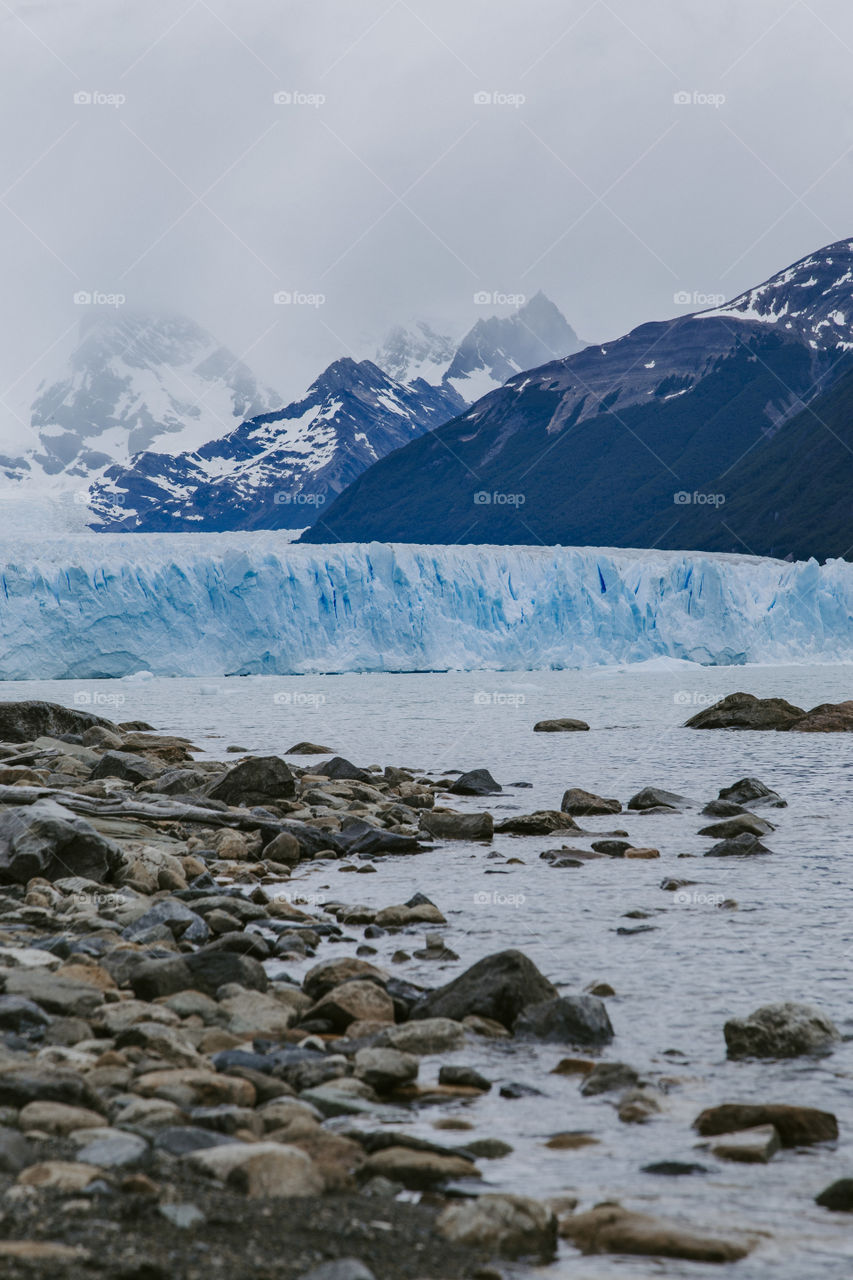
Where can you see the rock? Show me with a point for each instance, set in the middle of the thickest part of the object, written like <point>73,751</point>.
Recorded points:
<point>585,804</point>
<point>742,846</point>
<point>40,1083</point>
<point>206,971</point>
<point>637,1106</point>
<point>787,1030</point>
<point>745,711</point>
<point>308,749</point>
<point>385,1069</point>
<point>752,793</point>
<point>43,1251</point>
<point>175,915</point>
<point>612,1229</point>
<point>254,1013</point>
<point>426,1036</point>
<point>352,1002</point>
<point>260,780</point>
<point>56,992</point>
<point>418,1170</point>
<point>607,1076</point>
<point>46,840</point>
<point>796,1126</point>
<point>572,1020</point>
<point>21,1015</point>
<point>357,837</point>
<point>465,1076</point>
<point>191,1087</point>
<point>337,1158</point>
<point>478,782</point>
<point>283,848</point>
<point>510,1226</point>
<point>838,1196</point>
<point>26,721</point>
<point>58,1118</point>
<point>542,823</point>
<point>324,977</point>
<point>445,825</point>
<point>112,1149</point>
<point>722,809</point>
<point>181,1215</point>
<point>487,1149</point>
<point>59,1175</point>
<point>499,986</point>
<point>829,717</point>
<point>643,853</point>
<point>560,726</point>
<point>731,828</point>
<point>181,1140</point>
<point>126,765</point>
<point>655,798</point>
<point>271,1169</point>
<point>400,916</point>
<point>673,1169</point>
<point>749,1146</point>
<point>341,770</point>
<point>339,1269</point>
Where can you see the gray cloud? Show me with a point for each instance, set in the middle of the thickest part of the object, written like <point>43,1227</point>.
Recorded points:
<point>399,195</point>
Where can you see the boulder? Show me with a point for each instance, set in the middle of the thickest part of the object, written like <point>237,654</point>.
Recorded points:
<point>745,711</point>
<point>191,1087</point>
<point>46,840</point>
<point>748,1146</point>
<point>786,1030</point>
<point>112,1148</point>
<point>57,992</point>
<point>339,1269</point>
<point>352,1002</point>
<point>607,1076</point>
<point>284,847</point>
<point>341,770</point>
<point>259,780</point>
<point>445,825</point>
<point>426,1036</point>
<point>418,1170</point>
<point>17,1013</point>
<point>509,1226</point>
<point>585,804</point>
<point>741,824</point>
<point>60,1175</point>
<point>499,987</point>
<point>308,749</point>
<point>357,837</point>
<point>477,782</point>
<point>268,1169</point>
<point>560,726</point>
<point>26,721</point>
<point>206,971</point>
<point>385,1069</point>
<point>125,765</point>
<point>796,1126</point>
<point>829,717</point>
<point>838,1196</point>
<point>742,846</point>
<point>467,1077</point>
<point>752,793</point>
<point>612,1229</point>
<point>656,798</point>
<point>40,1083</point>
<point>329,974</point>
<point>542,823</point>
<point>179,920</point>
<point>569,1020</point>
<point>58,1118</point>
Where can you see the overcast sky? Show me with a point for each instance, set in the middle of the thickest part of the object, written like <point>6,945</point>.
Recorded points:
<point>385,186</point>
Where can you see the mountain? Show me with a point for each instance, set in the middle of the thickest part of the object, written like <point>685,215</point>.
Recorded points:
<point>276,470</point>
<point>279,469</point>
<point>134,382</point>
<point>617,444</point>
<point>495,349</point>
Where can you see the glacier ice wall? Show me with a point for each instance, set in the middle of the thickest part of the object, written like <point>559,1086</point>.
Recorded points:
<point>214,604</point>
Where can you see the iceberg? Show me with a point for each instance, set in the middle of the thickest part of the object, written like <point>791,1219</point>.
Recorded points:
<point>253,604</point>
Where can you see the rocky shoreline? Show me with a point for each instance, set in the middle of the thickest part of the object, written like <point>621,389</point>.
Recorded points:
<point>173,1102</point>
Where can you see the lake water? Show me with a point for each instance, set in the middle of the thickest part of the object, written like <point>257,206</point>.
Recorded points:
<point>790,938</point>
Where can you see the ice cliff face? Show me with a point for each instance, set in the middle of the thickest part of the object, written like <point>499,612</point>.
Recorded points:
<point>250,603</point>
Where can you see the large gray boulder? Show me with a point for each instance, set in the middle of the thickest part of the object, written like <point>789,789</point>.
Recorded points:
<point>206,971</point>
<point>45,839</point>
<point>31,719</point>
<point>745,711</point>
<point>499,987</point>
<point>569,1020</point>
<point>786,1030</point>
<point>260,780</point>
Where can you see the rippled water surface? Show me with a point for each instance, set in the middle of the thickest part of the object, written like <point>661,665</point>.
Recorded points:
<point>790,937</point>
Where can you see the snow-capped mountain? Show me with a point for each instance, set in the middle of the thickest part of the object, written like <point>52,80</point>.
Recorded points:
<point>276,470</point>
<point>134,382</point>
<point>611,446</point>
<point>493,350</point>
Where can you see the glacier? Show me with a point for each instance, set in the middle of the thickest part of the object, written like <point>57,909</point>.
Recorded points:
<point>251,603</point>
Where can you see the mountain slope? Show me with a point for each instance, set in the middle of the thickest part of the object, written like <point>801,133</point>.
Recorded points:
<point>596,449</point>
<point>278,469</point>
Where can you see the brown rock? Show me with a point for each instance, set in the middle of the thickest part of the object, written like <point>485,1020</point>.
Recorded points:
<point>796,1126</point>
<point>612,1229</point>
<point>586,804</point>
<point>331,973</point>
<point>60,1175</point>
<point>418,1170</point>
<point>354,1002</point>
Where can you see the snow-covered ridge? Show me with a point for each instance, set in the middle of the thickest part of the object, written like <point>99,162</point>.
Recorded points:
<point>213,604</point>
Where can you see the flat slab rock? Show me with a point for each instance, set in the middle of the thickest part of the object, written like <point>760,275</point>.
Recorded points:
<point>564,725</point>
<point>796,1126</point>
<point>612,1229</point>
